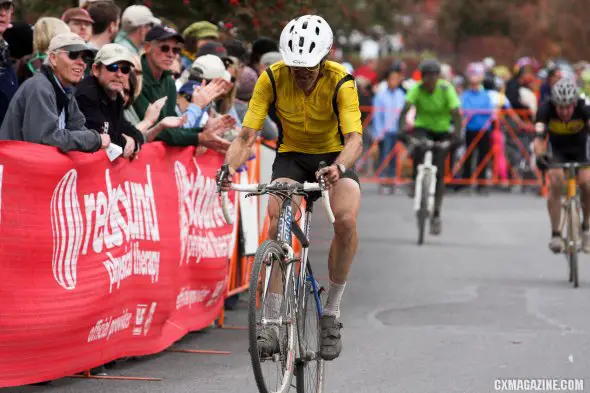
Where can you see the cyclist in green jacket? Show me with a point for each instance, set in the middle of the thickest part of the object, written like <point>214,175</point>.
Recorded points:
<point>436,105</point>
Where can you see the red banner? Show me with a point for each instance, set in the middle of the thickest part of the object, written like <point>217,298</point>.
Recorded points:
<point>102,260</point>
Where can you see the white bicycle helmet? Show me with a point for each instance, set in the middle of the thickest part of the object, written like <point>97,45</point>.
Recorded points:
<point>305,41</point>
<point>565,92</point>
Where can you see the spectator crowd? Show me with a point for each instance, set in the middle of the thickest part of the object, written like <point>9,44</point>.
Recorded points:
<point>99,77</point>
<point>102,78</point>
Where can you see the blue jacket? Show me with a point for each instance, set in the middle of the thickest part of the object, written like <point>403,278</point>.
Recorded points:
<point>387,106</point>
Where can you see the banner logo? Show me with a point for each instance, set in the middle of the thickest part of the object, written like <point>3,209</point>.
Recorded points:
<point>111,224</point>
<point>200,213</point>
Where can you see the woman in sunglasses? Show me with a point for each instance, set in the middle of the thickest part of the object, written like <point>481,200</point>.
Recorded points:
<point>99,97</point>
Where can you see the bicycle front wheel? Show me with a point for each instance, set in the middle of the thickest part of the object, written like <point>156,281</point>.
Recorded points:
<point>573,241</point>
<point>422,214</point>
<point>310,368</point>
<point>272,308</point>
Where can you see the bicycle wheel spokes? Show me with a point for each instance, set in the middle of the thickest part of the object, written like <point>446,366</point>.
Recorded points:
<point>574,241</point>
<point>310,367</point>
<point>272,313</point>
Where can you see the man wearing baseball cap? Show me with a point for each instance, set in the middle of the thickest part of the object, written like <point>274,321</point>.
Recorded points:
<point>8,79</point>
<point>162,46</point>
<point>79,21</point>
<point>100,98</point>
<point>136,21</point>
<point>195,36</point>
<point>44,109</point>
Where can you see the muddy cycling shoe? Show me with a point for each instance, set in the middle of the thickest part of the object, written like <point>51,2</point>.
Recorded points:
<point>586,242</point>
<point>268,343</point>
<point>435,226</point>
<point>556,244</point>
<point>330,339</point>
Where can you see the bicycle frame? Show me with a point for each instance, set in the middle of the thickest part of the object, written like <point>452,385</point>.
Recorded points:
<point>571,196</point>
<point>286,228</point>
<point>426,168</point>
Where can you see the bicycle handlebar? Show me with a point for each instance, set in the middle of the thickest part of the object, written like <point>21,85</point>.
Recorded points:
<point>563,165</point>
<point>566,165</point>
<point>430,144</point>
<point>261,189</point>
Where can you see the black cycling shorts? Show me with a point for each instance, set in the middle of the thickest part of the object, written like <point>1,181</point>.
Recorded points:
<point>302,167</point>
<point>573,153</point>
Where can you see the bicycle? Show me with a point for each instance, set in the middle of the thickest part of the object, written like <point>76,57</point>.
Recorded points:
<point>571,217</point>
<point>301,307</point>
<point>426,180</point>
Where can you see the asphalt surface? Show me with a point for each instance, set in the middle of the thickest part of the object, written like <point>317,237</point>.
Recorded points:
<point>485,300</point>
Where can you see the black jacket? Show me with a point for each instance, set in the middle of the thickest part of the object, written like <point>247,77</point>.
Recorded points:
<point>8,80</point>
<point>98,108</point>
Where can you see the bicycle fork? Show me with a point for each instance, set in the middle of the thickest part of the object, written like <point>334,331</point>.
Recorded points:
<point>424,169</point>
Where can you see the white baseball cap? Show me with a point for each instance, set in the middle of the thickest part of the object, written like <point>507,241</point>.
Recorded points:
<point>68,41</point>
<point>211,67</point>
<point>138,15</point>
<point>114,53</point>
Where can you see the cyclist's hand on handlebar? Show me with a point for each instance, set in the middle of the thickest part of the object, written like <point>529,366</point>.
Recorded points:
<point>542,161</point>
<point>330,174</point>
<point>224,177</point>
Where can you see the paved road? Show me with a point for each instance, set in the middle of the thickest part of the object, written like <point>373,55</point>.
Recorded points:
<point>486,300</point>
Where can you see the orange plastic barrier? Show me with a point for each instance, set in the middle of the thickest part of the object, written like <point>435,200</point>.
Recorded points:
<point>495,154</point>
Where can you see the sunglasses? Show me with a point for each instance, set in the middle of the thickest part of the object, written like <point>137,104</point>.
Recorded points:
<point>166,48</point>
<point>86,56</point>
<point>308,69</point>
<point>124,68</point>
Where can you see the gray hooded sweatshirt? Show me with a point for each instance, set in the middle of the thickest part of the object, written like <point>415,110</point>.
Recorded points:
<point>43,112</point>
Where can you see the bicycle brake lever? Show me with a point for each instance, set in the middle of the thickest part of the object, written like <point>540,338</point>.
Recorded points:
<point>321,180</point>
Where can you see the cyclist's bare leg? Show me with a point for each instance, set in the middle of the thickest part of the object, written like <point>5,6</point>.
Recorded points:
<point>345,199</point>
<point>584,183</point>
<point>556,181</point>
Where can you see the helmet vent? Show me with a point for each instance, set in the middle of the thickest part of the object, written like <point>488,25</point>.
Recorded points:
<point>290,45</point>
<point>304,25</point>
<point>292,28</point>
<point>312,46</point>
<point>317,30</point>
<point>301,41</point>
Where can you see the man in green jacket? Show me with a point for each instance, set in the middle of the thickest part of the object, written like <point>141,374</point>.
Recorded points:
<point>162,46</point>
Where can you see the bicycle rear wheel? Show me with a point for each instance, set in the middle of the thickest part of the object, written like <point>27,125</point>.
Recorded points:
<point>422,214</point>
<point>310,368</point>
<point>269,262</point>
<point>573,241</point>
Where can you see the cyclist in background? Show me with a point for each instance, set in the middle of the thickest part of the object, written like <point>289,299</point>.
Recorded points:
<point>564,121</point>
<point>316,101</point>
<point>436,105</point>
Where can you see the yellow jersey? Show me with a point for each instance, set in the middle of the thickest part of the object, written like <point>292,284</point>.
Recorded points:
<point>314,124</point>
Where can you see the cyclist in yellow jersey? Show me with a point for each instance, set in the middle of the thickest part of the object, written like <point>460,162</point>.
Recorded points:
<point>316,101</point>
